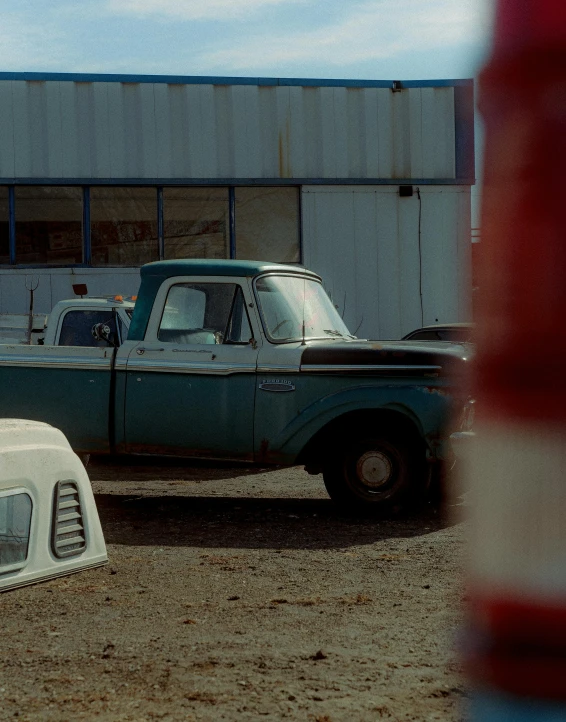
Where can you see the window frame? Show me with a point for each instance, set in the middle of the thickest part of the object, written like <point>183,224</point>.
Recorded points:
<point>159,187</point>
<point>257,300</point>
<point>238,289</point>
<point>244,282</point>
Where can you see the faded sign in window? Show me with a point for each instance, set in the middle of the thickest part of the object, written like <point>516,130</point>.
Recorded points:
<point>15,519</point>
<point>123,226</point>
<point>196,222</point>
<point>49,224</point>
<point>267,224</point>
<point>4,226</point>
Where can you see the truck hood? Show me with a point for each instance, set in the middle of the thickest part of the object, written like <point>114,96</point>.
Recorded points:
<point>402,356</point>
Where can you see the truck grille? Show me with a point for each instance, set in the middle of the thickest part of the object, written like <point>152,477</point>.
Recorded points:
<point>68,535</point>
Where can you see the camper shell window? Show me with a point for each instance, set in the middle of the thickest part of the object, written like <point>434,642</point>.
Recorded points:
<point>15,522</point>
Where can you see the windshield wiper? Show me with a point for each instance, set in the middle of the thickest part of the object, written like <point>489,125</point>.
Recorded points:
<point>333,332</point>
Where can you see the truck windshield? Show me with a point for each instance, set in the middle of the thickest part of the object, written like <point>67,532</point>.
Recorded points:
<point>293,307</point>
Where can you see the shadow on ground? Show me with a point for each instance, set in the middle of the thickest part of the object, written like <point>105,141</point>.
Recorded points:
<point>142,468</point>
<point>251,523</point>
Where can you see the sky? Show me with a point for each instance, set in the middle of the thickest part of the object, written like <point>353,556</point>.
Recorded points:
<point>379,39</point>
<point>364,39</point>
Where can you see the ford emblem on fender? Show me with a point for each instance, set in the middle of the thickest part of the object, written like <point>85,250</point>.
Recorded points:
<point>276,385</point>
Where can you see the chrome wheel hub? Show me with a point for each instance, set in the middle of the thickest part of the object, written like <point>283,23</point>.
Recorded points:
<point>374,469</point>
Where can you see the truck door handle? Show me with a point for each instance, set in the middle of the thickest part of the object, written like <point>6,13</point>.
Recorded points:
<point>141,351</point>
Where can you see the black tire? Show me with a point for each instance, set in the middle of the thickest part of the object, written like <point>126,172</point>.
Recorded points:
<point>374,473</point>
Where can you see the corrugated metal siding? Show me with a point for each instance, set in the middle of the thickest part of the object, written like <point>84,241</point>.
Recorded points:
<point>105,130</point>
<point>364,242</point>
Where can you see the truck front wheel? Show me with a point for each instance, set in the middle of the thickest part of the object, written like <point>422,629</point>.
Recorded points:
<point>372,473</point>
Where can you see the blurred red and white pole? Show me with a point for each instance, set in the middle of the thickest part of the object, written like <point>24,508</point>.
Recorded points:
<point>517,471</point>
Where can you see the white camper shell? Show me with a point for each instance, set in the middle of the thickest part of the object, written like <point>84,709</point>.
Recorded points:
<point>49,523</point>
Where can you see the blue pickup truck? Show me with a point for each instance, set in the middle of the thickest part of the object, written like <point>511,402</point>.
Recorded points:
<point>249,361</point>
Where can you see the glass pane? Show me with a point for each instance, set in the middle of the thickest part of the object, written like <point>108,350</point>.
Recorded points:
<point>49,224</point>
<point>76,329</point>
<point>197,313</point>
<point>196,223</point>
<point>15,518</point>
<point>239,329</point>
<point>123,226</point>
<point>267,224</point>
<point>4,226</point>
<point>293,307</point>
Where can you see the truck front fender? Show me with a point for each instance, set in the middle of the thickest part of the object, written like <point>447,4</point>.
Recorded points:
<point>427,408</point>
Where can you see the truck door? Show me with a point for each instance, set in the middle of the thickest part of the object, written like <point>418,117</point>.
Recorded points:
<point>190,385</point>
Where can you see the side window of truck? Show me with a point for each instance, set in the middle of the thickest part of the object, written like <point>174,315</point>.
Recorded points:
<point>204,313</point>
<point>76,329</point>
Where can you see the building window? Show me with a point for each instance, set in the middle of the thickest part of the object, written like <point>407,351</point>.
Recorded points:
<point>15,520</point>
<point>267,224</point>
<point>4,226</point>
<point>49,224</point>
<point>123,226</point>
<point>196,223</point>
<point>125,222</point>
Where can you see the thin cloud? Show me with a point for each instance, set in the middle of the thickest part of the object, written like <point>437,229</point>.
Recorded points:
<point>373,30</point>
<point>193,9</point>
<point>28,46</point>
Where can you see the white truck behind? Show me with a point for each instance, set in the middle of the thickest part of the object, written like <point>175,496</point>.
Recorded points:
<point>71,323</point>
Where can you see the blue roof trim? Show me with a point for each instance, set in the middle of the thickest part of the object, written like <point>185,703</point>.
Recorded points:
<point>236,181</point>
<point>464,132</point>
<point>226,80</point>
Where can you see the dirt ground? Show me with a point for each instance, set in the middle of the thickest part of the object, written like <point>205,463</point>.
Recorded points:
<point>237,594</point>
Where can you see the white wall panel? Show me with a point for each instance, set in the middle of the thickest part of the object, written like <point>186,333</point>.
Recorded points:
<point>56,284</point>
<point>68,129</point>
<point>116,129</point>
<point>70,141</point>
<point>298,163</point>
<point>224,132</point>
<point>101,130</point>
<point>21,130</point>
<point>364,241</point>
<point>15,297</point>
<point>54,140</point>
<point>7,141</point>
<point>369,161</point>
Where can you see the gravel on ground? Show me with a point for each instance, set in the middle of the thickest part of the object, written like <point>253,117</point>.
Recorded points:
<point>240,594</point>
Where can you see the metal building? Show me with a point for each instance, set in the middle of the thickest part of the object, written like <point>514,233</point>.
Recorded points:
<point>366,182</point>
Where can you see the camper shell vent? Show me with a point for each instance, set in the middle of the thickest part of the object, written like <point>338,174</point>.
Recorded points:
<point>68,535</point>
